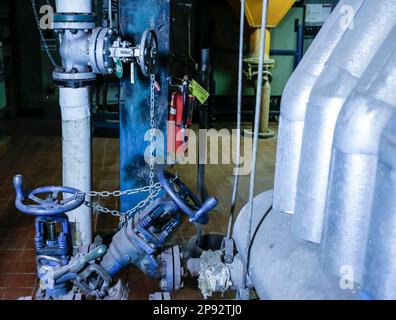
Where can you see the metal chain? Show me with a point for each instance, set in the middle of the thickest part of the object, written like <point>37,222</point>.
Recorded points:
<point>124,216</point>
<point>118,193</point>
<point>154,188</point>
<point>130,212</point>
<point>43,40</point>
<point>152,132</point>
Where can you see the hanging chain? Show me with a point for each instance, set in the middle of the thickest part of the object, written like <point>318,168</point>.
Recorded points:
<point>153,188</point>
<point>152,133</point>
<point>127,215</point>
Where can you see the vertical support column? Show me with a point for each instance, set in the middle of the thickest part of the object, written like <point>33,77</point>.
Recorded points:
<point>76,148</point>
<point>135,17</point>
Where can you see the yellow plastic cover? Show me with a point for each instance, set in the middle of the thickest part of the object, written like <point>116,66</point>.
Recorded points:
<point>277,9</point>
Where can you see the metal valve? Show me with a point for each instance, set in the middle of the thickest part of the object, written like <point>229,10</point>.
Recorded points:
<point>107,52</point>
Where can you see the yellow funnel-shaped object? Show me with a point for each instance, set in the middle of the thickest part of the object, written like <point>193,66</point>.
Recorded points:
<point>277,9</point>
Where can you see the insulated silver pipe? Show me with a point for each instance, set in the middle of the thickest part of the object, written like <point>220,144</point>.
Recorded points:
<point>255,141</point>
<point>380,263</point>
<point>76,120</point>
<point>74,6</point>
<point>76,154</point>
<point>354,165</point>
<point>348,62</point>
<point>239,121</point>
<point>295,98</point>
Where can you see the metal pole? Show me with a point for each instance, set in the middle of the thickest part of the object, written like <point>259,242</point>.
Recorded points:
<point>239,121</point>
<point>244,291</point>
<point>110,13</point>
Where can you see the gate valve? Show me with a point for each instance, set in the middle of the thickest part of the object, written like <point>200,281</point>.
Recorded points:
<point>51,205</point>
<point>108,51</point>
<point>157,222</point>
<point>185,199</point>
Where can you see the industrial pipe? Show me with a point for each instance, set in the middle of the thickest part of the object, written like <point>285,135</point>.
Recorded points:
<point>74,6</point>
<point>354,164</point>
<point>345,67</point>
<point>380,263</point>
<point>295,99</point>
<point>74,20</point>
<point>76,154</point>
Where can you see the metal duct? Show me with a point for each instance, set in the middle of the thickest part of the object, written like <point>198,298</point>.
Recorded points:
<point>354,165</point>
<point>281,267</point>
<point>350,59</point>
<point>295,99</point>
<point>380,264</point>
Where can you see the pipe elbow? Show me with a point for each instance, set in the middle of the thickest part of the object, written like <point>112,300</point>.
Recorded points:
<point>360,124</point>
<point>332,88</point>
<point>296,95</point>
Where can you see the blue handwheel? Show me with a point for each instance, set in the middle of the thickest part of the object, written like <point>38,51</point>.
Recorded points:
<point>185,199</point>
<point>31,203</point>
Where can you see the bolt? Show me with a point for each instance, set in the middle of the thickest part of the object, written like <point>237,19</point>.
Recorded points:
<point>163,285</point>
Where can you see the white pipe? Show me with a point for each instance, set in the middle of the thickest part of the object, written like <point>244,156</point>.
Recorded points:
<point>74,6</point>
<point>354,164</point>
<point>295,99</point>
<point>350,59</point>
<point>380,263</point>
<point>76,144</point>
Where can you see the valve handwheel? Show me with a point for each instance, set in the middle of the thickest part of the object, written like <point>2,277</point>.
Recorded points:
<point>52,204</point>
<point>185,199</point>
<point>148,52</point>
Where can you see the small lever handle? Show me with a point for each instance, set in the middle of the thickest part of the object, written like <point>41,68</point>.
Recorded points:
<point>201,213</point>
<point>18,186</point>
<point>77,265</point>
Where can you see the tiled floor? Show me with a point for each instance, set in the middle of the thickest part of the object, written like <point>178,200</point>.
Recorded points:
<point>37,155</point>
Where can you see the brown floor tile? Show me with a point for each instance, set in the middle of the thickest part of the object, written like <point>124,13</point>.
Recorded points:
<point>7,267</point>
<point>10,255</point>
<point>22,280</point>
<point>28,255</point>
<point>16,293</point>
<point>25,267</point>
<point>4,280</point>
